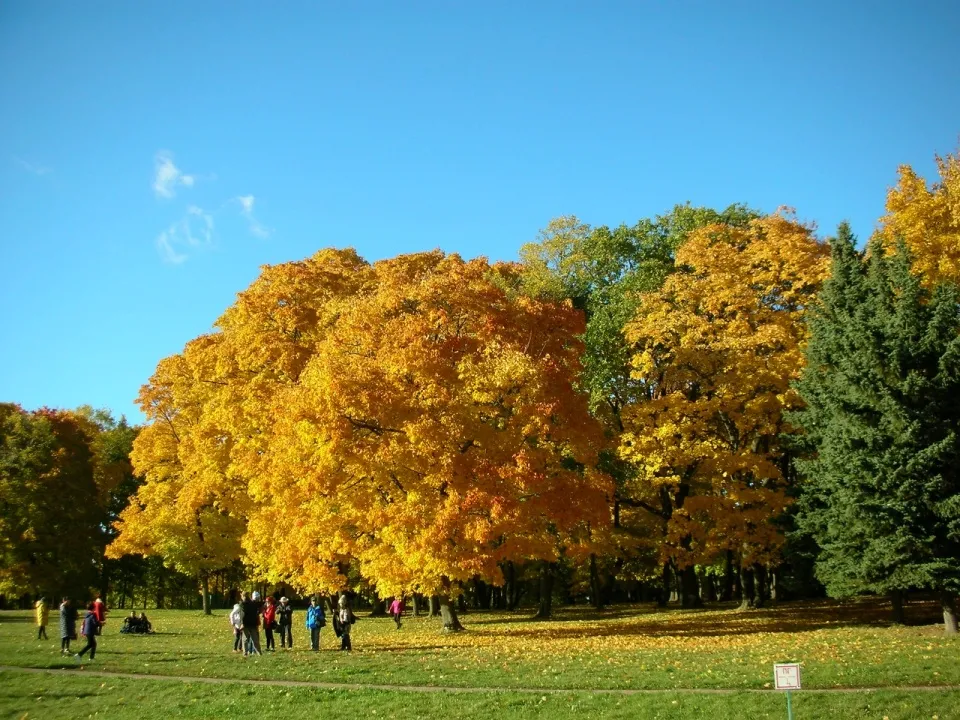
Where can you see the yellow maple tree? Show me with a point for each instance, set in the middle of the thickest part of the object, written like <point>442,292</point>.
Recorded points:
<point>927,218</point>
<point>715,351</point>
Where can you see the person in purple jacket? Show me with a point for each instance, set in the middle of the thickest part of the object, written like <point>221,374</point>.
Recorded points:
<point>89,629</point>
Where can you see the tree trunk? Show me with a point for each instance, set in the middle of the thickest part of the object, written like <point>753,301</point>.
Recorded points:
<point>546,591</point>
<point>205,589</point>
<point>896,601</point>
<point>451,623</point>
<point>510,579</point>
<point>728,579</point>
<point>746,588</point>
<point>595,583</point>
<point>664,586</point>
<point>760,573</point>
<point>948,601</point>
<point>689,588</point>
<point>416,604</point>
<point>379,606</point>
<point>708,588</point>
<point>435,606</point>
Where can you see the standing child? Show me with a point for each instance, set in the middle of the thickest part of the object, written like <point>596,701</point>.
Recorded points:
<point>43,615</point>
<point>285,620</point>
<point>90,628</point>
<point>236,622</point>
<point>315,620</point>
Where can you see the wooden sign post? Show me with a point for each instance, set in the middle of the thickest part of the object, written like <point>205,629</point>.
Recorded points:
<point>786,676</point>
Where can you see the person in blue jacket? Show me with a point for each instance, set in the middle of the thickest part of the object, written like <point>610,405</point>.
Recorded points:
<point>315,620</point>
<point>91,625</point>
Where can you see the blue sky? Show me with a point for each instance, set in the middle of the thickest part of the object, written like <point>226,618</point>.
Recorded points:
<point>154,155</point>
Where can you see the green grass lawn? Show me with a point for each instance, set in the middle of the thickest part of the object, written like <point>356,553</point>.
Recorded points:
<point>839,645</point>
<point>74,696</point>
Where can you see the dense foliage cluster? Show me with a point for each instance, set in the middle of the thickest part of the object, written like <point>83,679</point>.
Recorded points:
<point>708,403</point>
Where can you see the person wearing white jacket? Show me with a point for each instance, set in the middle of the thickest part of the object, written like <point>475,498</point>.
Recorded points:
<point>236,622</point>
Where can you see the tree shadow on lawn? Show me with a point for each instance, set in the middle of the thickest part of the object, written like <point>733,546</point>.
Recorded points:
<point>801,616</point>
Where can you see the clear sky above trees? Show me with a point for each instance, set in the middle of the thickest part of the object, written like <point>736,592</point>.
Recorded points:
<point>152,157</point>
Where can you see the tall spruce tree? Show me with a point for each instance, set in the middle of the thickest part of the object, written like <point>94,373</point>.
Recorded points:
<point>881,425</point>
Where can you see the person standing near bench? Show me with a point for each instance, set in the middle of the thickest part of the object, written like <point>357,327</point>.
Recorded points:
<point>91,626</point>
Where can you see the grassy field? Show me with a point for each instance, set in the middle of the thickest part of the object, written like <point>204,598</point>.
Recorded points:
<point>839,645</point>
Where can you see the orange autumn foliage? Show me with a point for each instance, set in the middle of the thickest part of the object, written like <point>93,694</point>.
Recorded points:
<point>434,433</point>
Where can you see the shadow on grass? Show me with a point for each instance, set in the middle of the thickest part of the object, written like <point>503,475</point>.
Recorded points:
<point>715,620</point>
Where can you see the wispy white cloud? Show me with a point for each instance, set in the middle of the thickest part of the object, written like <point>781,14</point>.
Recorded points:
<point>193,231</point>
<point>167,176</point>
<point>246,209</point>
<point>33,168</point>
<point>165,246</point>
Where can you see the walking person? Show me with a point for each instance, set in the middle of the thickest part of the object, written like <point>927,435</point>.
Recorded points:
<point>43,615</point>
<point>100,612</point>
<point>285,621</point>
<point>236,622</point>
<point>269,623</point>
<point>251,624</point>
<point>68,625</point>
<point>315,620</point>
<point>347,619</point>
<point>90,627</point>
<point>396,609</point>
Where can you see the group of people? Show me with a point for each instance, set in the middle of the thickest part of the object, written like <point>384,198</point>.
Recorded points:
<point>136,625</point>
<point>90,628</point>
<point>251,613</point>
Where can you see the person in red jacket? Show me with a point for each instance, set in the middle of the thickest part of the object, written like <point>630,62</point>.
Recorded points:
<point>269,622</point>
<point>100,612</point>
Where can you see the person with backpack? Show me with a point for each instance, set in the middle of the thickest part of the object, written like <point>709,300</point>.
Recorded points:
<point>315,620</point>
<point>91,626</point>
<point>285,621</point>
<point>236,623</point>
<point>347,618</point>
<point>269,623</point>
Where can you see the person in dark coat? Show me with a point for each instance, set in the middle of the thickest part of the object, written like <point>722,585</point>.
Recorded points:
<point>251,624</point>
<point>285,621</point>
<point>68,625</point>
<point>91,626</point>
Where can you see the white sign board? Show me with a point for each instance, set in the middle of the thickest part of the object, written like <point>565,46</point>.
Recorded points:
<point>787,676</point>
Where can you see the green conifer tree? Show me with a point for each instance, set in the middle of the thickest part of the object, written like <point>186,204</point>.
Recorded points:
<point>881,429</point>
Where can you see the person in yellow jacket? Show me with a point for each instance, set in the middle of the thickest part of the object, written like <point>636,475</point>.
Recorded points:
<point>43,614</point>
